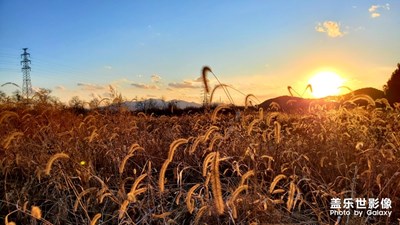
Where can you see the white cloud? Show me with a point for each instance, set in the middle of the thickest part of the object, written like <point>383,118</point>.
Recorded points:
<point>145,86</point>
<point>108,67</point>
<point>375,8</point>
<point>374,15</point>
<point>90,87</point>
<point>184,84</point>
<point>155,78</point>
<point>60,88</point>
<point>331,28</point>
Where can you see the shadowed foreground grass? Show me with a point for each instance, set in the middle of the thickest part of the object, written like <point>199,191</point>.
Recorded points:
<point>60,167</point>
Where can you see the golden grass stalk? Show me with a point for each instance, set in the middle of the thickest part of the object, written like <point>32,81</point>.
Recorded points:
<point>277,130</point>
<point>122,165</point>
<point>275,181</point>
<point>364,97</point>
<point>271,116</point>
<point>162,175</point>
<point>232,200</point>
<point>24,207</point>
<point>236,193</point>
<point>122,209</point>
<point>215,88</point>
<point>52,159</point>
<point>142,114</point>
<point>174,145</point>
<point>250,128</point>
<point>216,185</point>
<point>83,193</point>
<point>207,161</point>
<point>132,195</point>
<point>385,102</point>
<point>93,135</point>
<point>7,114</point>
<point>292,190</point>
<point>245,176</point>
<point>137,181</point>
<point>205,80</point>
<point>216,110</point>
<point>101,199</point>
<point>195,144</point>
<point>188,200</point>
<point>8,222</point>
<point>208,133</point>
<point>278,191</point>
<point>322,160</point>
<point>95,218</point>
<point>215,138</point>
<point>135,147</point>
<point>246,100</point>
<point>36,212</point>
<point>378,181</point>
<point>161,216</point>
<point>12,136</point>
<point>133,192</point>
<point>199,214</point>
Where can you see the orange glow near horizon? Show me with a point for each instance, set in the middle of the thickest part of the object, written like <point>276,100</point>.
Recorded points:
<point>326,83</point>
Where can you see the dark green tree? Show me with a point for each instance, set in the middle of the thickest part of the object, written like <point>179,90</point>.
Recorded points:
<point>392,87</point>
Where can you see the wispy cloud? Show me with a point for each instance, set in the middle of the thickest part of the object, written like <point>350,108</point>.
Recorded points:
<point>155,78</point>
<point>331,28</point>
<point>60,88</point>
<point>145,86</point>
<point>200,79</point>
<point>90,87</point>
<point>374,15</point>
<point>108,67</point>
<point>373,10</point>
<point>184,84</point>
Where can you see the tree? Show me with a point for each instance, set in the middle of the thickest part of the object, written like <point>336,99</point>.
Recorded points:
<point>75,102</point>
<point>17,96</point>
<point>42,96</point>
<point>392,87</point>
<point>3,96</point>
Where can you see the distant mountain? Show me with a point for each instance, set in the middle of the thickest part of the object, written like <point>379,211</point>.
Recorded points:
<point>297,104</point>
<point>159,104</point>
<point>371,92</point>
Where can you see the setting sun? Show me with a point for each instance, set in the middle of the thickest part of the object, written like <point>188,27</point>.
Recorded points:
<point>325,83</point>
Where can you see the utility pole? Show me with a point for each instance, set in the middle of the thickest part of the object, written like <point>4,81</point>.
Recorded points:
<point>26,77</point>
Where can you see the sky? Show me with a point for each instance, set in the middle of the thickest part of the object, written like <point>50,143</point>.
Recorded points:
<point>157,49</point>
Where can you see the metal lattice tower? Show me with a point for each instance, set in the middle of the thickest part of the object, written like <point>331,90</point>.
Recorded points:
<point>26,77</point>
<point>205,97</point>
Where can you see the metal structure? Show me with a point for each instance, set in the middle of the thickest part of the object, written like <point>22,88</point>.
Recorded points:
<point>205,97</point>
<point>26,77</point>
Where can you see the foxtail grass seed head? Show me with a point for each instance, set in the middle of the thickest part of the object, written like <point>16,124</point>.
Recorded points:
<point>36,212</point>
<point>216,185</point>
<point>52,160</point>
<point>204,72</point>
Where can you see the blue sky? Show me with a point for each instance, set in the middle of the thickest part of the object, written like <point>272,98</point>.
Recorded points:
<point>157,48</point>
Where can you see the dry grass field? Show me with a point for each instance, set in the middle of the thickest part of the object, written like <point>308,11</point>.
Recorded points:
<point>61,167</point>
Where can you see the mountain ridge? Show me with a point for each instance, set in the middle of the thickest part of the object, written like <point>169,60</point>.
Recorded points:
<point>292,103</point>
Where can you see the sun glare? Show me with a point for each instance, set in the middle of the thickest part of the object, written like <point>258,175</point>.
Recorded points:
<point>325,83</point>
